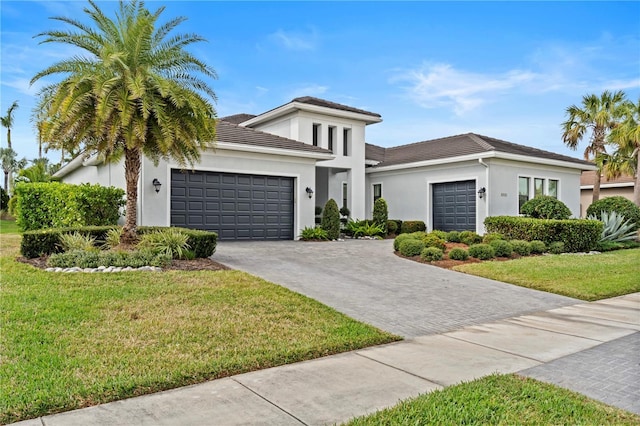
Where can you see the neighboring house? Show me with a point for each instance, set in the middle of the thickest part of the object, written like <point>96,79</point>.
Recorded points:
<point>267,173</point>
<point>623,186</point>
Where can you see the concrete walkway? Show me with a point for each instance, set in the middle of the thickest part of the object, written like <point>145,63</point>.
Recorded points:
<point>336,388</point>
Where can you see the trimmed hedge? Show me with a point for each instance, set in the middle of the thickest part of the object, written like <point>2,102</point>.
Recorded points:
<point>546,207</point>
<point>47,241</point>
<point>431,254</point>
<point>578,235</point>
<point>411,226</point>
<point>44,205</point>
<point>482,251</point>
<point>411,247</point>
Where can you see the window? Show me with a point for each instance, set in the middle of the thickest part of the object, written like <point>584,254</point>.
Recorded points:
<point>538,187</point>
<point>553,188</point>
<point>345,192</point>
<point>523,191</point>
<point>346,141</point>
<point>332,136</point>
<point>377,191</point>
<point>316,134</point>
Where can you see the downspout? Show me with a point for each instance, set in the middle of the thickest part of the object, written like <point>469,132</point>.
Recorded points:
<point>486,198</point>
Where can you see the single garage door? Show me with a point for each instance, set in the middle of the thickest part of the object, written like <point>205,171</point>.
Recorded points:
<point>236,206</point>
<point>454,206</point>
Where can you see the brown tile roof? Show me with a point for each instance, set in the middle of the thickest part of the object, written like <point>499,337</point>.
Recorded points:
<point>328,104</point>
<point>374,152</point>
<point>232,133</point>
<point>237,118</point>
<point>589,177</point>
<point>455,146</point>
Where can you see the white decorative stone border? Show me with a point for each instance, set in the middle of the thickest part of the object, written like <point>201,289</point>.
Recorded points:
<point>101,269</point>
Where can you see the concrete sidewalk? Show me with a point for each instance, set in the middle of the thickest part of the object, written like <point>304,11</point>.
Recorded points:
<point>336,388</point>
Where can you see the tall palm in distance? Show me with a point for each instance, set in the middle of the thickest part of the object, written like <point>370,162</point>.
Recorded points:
<point>135,92</point>
<point>8,166</point>
<point>625,138</point>
<point>597,115</point>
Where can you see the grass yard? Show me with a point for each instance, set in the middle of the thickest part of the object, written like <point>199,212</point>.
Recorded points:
<point>500,400</point>
<point>584,277</point>
<point>74,340</point>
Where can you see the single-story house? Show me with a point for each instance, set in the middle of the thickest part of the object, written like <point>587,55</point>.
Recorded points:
<point>622,186</point>
<point>266,174</point>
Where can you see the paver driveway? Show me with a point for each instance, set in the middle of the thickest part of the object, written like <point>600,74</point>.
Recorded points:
<point>367,281</point>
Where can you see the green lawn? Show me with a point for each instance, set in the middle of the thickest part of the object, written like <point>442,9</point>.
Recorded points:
<point>74,340</point>
<point>584,277</point>
<point>500,400</point>
<point>8,227</point>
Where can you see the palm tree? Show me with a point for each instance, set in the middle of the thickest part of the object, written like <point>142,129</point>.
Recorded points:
<point>7,121</point>
<point>132,94</point>
<point>626,139</point>
<point>597,115</point>
<point>10,164</point>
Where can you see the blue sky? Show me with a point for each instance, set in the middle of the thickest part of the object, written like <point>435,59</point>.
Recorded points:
<point>431,69</point>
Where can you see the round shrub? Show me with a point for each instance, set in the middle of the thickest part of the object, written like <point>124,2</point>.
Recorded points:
<point>411,247</point>
<point>469,238</point>
<point>521,247</point>
<point>431,254</point>
<point>392,227</point>
<point>556,247</point>
<point>432,240</point>
<point>618,204</point>
<point>439,234</point>
<point>546,207</point>
<point>458,253</point>
<point>482,251</point>
<point>331,219</point>
<point>409,226</point>
<point>502,248</point>
<point>403,237</point>
<point>453,236</point>
<point>537,247</point>
<point>492,236</point>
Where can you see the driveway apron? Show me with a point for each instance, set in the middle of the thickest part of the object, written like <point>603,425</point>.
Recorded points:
<point>367,281</point>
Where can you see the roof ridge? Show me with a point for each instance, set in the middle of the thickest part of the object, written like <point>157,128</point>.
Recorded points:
<point>427,140</point>
<point>480,141</point>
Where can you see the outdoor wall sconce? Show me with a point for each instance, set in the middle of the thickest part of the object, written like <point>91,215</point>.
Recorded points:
<point>481,192</point>
<point>157,184</point>
<point>309,192</point>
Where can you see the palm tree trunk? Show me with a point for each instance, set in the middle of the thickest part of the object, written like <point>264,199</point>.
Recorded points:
<point>132,163</point>
<point>6,181</point>
<point>596,187</point>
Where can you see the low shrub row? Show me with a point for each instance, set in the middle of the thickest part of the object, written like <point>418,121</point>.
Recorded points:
<point>578,235</point>
<point>48,241</point>
<point>122,259</point>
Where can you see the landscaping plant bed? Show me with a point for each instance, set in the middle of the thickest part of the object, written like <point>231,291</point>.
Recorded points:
<point>451,263</point>
<point>202,264</point>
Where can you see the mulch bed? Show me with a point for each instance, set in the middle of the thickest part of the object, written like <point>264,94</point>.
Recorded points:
<point>450,263</point>
<point>176,265</point>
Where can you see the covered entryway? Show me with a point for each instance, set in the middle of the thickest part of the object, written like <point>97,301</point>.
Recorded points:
<point>236,206</point>
<point>454,206</point>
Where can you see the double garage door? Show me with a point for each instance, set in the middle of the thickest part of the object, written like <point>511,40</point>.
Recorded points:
<point>236,206</point>
<point>454,206</point>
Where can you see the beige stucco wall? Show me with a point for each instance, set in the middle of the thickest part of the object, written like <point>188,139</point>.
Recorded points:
<point>586,196</point>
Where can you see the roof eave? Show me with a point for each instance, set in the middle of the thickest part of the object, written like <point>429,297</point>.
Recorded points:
<point>300,106</point>
<point>273,151</point>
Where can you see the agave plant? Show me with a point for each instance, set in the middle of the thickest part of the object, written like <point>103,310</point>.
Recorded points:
<point>364,228</point>
<point>616,228</point>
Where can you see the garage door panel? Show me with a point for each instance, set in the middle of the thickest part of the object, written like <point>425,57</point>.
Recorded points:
<point>454,206</point>
<point>237,206</point>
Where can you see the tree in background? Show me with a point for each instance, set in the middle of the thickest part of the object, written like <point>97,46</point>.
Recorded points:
<point>134,92</point>
<point>7,122</point>
<point>597,116</point>
<point>625,138</point>
<point>10,165</point>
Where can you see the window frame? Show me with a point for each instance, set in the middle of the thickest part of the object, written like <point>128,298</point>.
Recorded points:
<point>315,134</point>
<point>331,136</point>
<point>346,141</point>
<point>374,186</point>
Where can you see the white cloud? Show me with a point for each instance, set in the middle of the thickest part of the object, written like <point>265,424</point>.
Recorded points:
<point>441,85</point>
<point>307,90</point>
<point>22,85</point>
<point>297,41</point>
